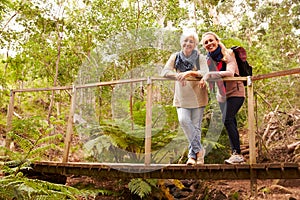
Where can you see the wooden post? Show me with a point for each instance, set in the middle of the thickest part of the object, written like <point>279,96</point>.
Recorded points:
<point>10,113</point>
<point>251,120</point>
<point>148,128</point>
<point>251,132</point>
<point>69,132</point>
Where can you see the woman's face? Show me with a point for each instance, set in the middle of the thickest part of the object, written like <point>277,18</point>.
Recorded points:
<point>210,43</point>
<point>188,45</point>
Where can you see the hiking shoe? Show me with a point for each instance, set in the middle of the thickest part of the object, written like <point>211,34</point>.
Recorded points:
<point>235,159</point>
<point>191,161</point>
<point>200,157</point>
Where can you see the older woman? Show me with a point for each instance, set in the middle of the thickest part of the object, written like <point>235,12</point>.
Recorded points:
<point>221,62</point>
<point>190,97</point>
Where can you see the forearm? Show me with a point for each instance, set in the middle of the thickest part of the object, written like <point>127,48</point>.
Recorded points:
<point>172,75</point>
<point>193,74</point>
<point>226,74</point>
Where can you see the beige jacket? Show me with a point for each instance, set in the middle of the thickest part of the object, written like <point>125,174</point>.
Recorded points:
<point>189,95</point>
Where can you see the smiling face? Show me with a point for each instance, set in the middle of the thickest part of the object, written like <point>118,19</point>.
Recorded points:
<point>210,42</point>
<point>188,45</point>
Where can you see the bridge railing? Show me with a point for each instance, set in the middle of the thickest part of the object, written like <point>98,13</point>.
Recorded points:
<point>148,125</point>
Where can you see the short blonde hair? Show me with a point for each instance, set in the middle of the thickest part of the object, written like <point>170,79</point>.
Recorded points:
<point>189,33</point>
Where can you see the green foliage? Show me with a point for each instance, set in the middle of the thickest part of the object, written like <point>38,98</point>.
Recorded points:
<point>171,118</point>
<point>265,190</point>
<point>220,149</point>
<point>116,141</point>
<point>32,142</point>
<point>4,4</point>
<point>139,113</point>
<point>19,187</point>
<point>153,188</point>
<point>162,116</point>
<point>14,166</point>
<point>142,187</point>
<point>33,138</point>
<point>235,196</point>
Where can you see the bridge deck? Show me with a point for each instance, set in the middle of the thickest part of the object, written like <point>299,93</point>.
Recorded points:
<point>172,171</point>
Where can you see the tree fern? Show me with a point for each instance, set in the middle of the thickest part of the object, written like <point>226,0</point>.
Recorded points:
<point>144,187</point>
<point>140,187</point>
<point>32,141</point>
<point>115,141</point>
<point>21,188</point>
<point>32,137</point>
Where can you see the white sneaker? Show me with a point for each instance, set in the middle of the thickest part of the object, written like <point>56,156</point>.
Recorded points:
<point>191,161</point>
<point>235,159</point>
<point>200,157</point>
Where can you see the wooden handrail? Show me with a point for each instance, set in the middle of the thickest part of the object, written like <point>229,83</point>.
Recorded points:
<point>149,98</point>
<point>276,74</point>
<point>253,78</point>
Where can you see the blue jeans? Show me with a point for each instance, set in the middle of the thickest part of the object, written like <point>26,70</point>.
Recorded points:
<point>229,110</point>
<point>190,120</point>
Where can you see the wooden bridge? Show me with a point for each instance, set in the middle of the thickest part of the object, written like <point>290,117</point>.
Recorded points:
<point>172,171</point>
<point>251,171</point>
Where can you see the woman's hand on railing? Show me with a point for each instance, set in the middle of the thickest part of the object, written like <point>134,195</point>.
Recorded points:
<point>212,76</point>
<point>202,83</point>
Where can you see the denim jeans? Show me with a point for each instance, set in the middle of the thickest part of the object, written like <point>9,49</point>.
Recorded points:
<point>229,110</point>
<point>190,120</point>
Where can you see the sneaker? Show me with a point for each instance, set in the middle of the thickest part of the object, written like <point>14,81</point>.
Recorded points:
<point>191,161</point>
<point>235,159</point>
<point>200,157</point>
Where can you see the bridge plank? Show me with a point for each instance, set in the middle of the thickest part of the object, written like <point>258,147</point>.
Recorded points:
<point>171,171</point>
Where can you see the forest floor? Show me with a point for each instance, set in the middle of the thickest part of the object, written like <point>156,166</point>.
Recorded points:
<point>280,135</point>
<point>219,190</point>
<point>228,189</point>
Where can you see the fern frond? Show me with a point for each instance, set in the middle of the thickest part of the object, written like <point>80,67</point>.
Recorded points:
<point>24,143</point>
<point>152,182</point>
<point>100,143</point>
<point>4,158</point>
<point>93,193</point>
<point>19,186</point>
<point>28,127</point>
<point>37,152</point>
<point>50,138</point>
<point>139,187</point>
<point>13,163</point>
<point>11,192</point>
